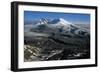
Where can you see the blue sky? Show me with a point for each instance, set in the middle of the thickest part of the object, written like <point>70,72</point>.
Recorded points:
<point>74,18</point>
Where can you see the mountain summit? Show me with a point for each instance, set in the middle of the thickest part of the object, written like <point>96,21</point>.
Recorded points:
<point>58,26</point>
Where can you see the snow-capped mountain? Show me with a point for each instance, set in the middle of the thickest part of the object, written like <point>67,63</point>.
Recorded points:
<point>58,26</point>
<point>60,23</point>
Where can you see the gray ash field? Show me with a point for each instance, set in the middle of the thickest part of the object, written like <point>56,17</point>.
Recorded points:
<point>56,40</point>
